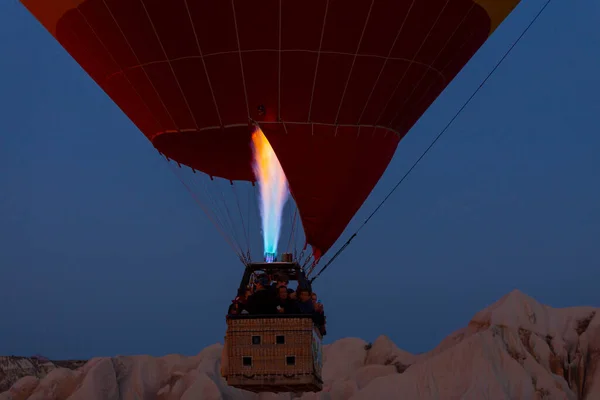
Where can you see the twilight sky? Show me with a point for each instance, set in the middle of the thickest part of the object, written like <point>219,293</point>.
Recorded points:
<point>104,252</point>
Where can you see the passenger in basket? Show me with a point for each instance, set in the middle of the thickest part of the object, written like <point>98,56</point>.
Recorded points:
<point>262,301</point>
<point>281,280</point>
<point>238,305</point>
<point>319,315</point>
<point>233,309</point>
<point>318,306</point>
<point>305,304</point>
<point>285,305</point>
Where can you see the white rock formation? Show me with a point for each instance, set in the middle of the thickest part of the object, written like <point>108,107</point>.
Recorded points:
<point>514,349</point>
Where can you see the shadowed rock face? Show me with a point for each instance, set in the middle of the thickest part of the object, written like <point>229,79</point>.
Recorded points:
<point>14,368</point>
<point>514,349</point>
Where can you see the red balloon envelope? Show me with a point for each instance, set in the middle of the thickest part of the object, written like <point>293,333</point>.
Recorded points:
<point>334,84</point>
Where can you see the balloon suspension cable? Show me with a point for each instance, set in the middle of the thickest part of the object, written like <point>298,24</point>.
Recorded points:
<point>345,245</point>
<point>218,224</point>
<point>222,200</point>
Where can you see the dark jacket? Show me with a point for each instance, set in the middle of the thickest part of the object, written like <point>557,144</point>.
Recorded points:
<point>306,307</point>
<point>261,303</point>
<point>289,306</point>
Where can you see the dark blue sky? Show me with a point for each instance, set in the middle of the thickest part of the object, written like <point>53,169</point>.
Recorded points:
<point>103,252</point>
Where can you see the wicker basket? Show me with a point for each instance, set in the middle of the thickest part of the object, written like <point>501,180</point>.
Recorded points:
<point>273,354</point>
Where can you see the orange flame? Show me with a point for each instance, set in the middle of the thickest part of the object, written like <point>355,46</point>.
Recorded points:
<point>273,190</point>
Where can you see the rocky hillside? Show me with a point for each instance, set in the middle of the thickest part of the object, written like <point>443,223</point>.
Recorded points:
<point>14,368</point>
<point>514,349</point>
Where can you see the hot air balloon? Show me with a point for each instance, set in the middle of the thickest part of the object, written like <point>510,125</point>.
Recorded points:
<point>334,85</point>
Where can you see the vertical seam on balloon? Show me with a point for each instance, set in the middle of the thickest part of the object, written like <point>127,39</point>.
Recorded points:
<point>118,65</point>
<point>386,61</point>
<point>279,67</point>
<point>212,92</point>
<point>170,65</point>
<point>237,36</point>
<point>353,62</point>
<point>410,65</point>
<point>312,94</point>
<point>138,61</point>
<point>433,62</point>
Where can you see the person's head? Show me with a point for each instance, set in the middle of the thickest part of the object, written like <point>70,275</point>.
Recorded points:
<point>282,280</point>
<point>262,282</point>
<point>282,292</point>
<point>304,294</point>
<point>314,298</point>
